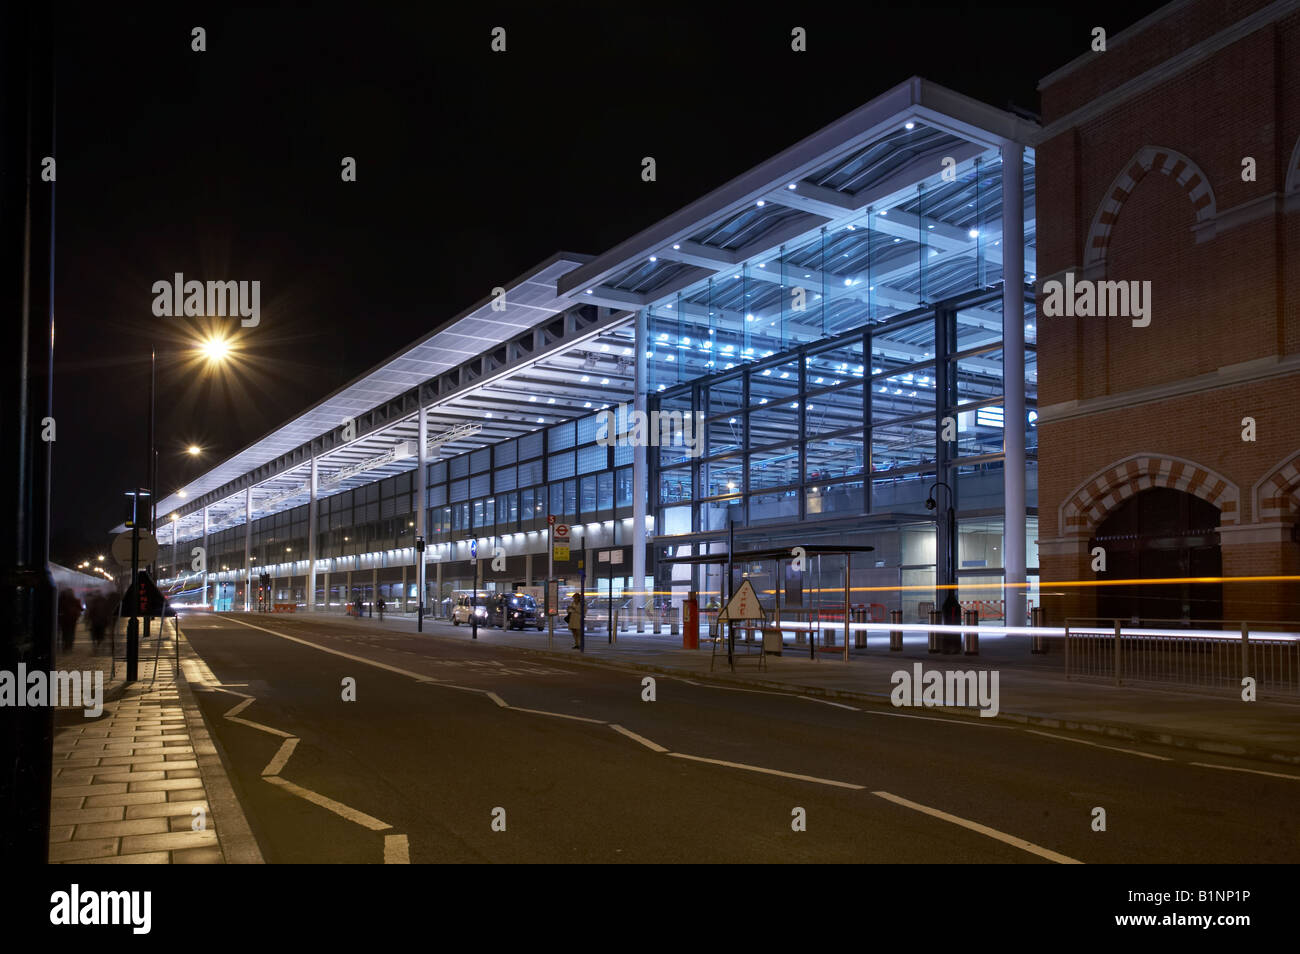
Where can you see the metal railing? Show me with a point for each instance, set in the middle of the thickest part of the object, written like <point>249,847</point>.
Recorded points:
<point>1196,653</point>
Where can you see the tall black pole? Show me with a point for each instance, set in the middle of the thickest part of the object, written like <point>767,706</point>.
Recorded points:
<point>27,593</point>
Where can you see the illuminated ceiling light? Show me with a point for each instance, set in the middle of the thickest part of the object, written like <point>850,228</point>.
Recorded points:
<point>541,420</point>
<point>626,352</point>
<point>676,246</point>
<point>532,397</point>
<point>792,186</point>
<point>604,347</point>
<point>550,400</point>
<point>897,240</point>
<point>909,125</point>
<point>181,493</point>
<point>848,282</point>
<point>653,258</point>
<point>588,404</point>
<point>929,226</point>
<point>974,233</point>
<point>749,317</point>
<point>732,421</point>
<point>760,203</point>
<point>589,291</point>
<point>585,379</point>
<point>604,380</point>
<point>884,211</point>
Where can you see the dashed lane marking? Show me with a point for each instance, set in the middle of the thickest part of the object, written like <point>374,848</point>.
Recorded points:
<point>766,771</point>
<point>652,746</point>
<point>397,850</point>
<point>338,808</point>
<point>1113,748</point>
<point>1234,768</point>
<point>993,833</point>
<point>286,749</point>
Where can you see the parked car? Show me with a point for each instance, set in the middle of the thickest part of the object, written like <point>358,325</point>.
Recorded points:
<point>516,611</point>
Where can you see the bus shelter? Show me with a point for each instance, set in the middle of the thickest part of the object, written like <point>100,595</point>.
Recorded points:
<point>794,606</point>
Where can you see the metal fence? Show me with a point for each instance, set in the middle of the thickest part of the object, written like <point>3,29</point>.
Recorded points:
<point>1197,653</point>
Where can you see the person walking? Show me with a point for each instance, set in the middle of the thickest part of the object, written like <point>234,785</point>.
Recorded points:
<point>69,613</point>
<point>98,613</point>
<point>380,604</point>
<point>574,619</point>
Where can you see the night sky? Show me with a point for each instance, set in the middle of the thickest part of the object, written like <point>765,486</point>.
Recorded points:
<point>472,166</point>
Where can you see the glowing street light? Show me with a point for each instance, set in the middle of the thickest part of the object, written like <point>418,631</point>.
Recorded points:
<point>216,349</point>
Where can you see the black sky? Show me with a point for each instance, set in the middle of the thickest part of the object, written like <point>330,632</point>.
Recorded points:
<point>472,167</point>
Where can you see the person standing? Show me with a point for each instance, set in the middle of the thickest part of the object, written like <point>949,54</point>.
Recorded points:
<point>574,619</point>
<point>380,604</point>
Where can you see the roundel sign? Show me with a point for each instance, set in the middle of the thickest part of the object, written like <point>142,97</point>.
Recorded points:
<point>561,529</point>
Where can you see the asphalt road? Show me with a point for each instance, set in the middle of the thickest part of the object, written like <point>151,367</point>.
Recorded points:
<point>438,745</point>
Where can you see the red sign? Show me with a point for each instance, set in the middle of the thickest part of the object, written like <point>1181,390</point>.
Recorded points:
<point>561,529</point>
<point>551,520</point>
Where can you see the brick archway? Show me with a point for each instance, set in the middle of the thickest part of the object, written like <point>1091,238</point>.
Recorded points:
<point>1166,161</point>
<point>1293,171</point>
<point>1277,495</point>
<point>1090,502</point>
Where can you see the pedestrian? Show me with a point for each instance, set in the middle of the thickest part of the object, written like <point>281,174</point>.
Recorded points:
<point>69,613</point>
<point>574,620</point>
<point>380,603</point>
<point>98,613</point>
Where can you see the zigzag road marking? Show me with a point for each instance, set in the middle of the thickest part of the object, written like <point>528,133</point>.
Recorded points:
<point>396,852</point>
<point>396,847</point>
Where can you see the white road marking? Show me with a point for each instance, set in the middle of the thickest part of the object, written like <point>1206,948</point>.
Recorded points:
<point>827,702</point>
<point>335,652</point>
<point>766,771</point>
<point>652,746</point>
<point>338,808</point>
<point>262,728</point>
<point>1020,843</point>
<point>1233,768</point>
<point>497,699</point>
<point>397,850</point>
<point>906,715</point>
<point>1113,748</point>
<point>558,715</point>
<point>281,756</point>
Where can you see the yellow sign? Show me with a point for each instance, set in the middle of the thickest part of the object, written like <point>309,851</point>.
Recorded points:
<point>561,552</point>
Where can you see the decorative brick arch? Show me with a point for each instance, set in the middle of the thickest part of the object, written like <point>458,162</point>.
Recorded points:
<point>1293,170</point>
<point>1277,495</point>
<point>1173,164</point>
<point>1100,494</point>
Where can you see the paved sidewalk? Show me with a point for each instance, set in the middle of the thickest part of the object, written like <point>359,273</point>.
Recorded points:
<point>127,785</point>
<point>1033,689</point>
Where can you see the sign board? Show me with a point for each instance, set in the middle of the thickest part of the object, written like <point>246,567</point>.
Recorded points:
<point>148,548</point>
<point>743,604</point>
<point>561,529</point>
<point>561,551</point>
<point>553,597</point>
<point>143,597</point>
<point>473,549</point>
<point>551,520</point>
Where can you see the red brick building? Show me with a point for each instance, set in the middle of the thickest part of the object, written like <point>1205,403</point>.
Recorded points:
<point>1174,157</point>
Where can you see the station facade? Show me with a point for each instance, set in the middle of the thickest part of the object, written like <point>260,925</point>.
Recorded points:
<point>838,335</point>
<point>1170,441</point>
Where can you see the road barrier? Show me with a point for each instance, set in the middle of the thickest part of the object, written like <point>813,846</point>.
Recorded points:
<point>1200,654</point>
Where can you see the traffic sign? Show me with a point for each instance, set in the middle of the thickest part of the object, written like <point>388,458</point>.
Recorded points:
<point>561,529</point>
<point>147,550</point>
<point>551,520</point>
<point>743,604</point>
<point>561,551</point>
<point>473,549</point>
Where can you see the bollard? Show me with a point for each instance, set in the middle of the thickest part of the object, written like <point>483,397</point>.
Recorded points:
<point>971,638</point>
<point>1038,642</point>
<point>895,635</point>
<point>936,618</point>
<point>860,637</point>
